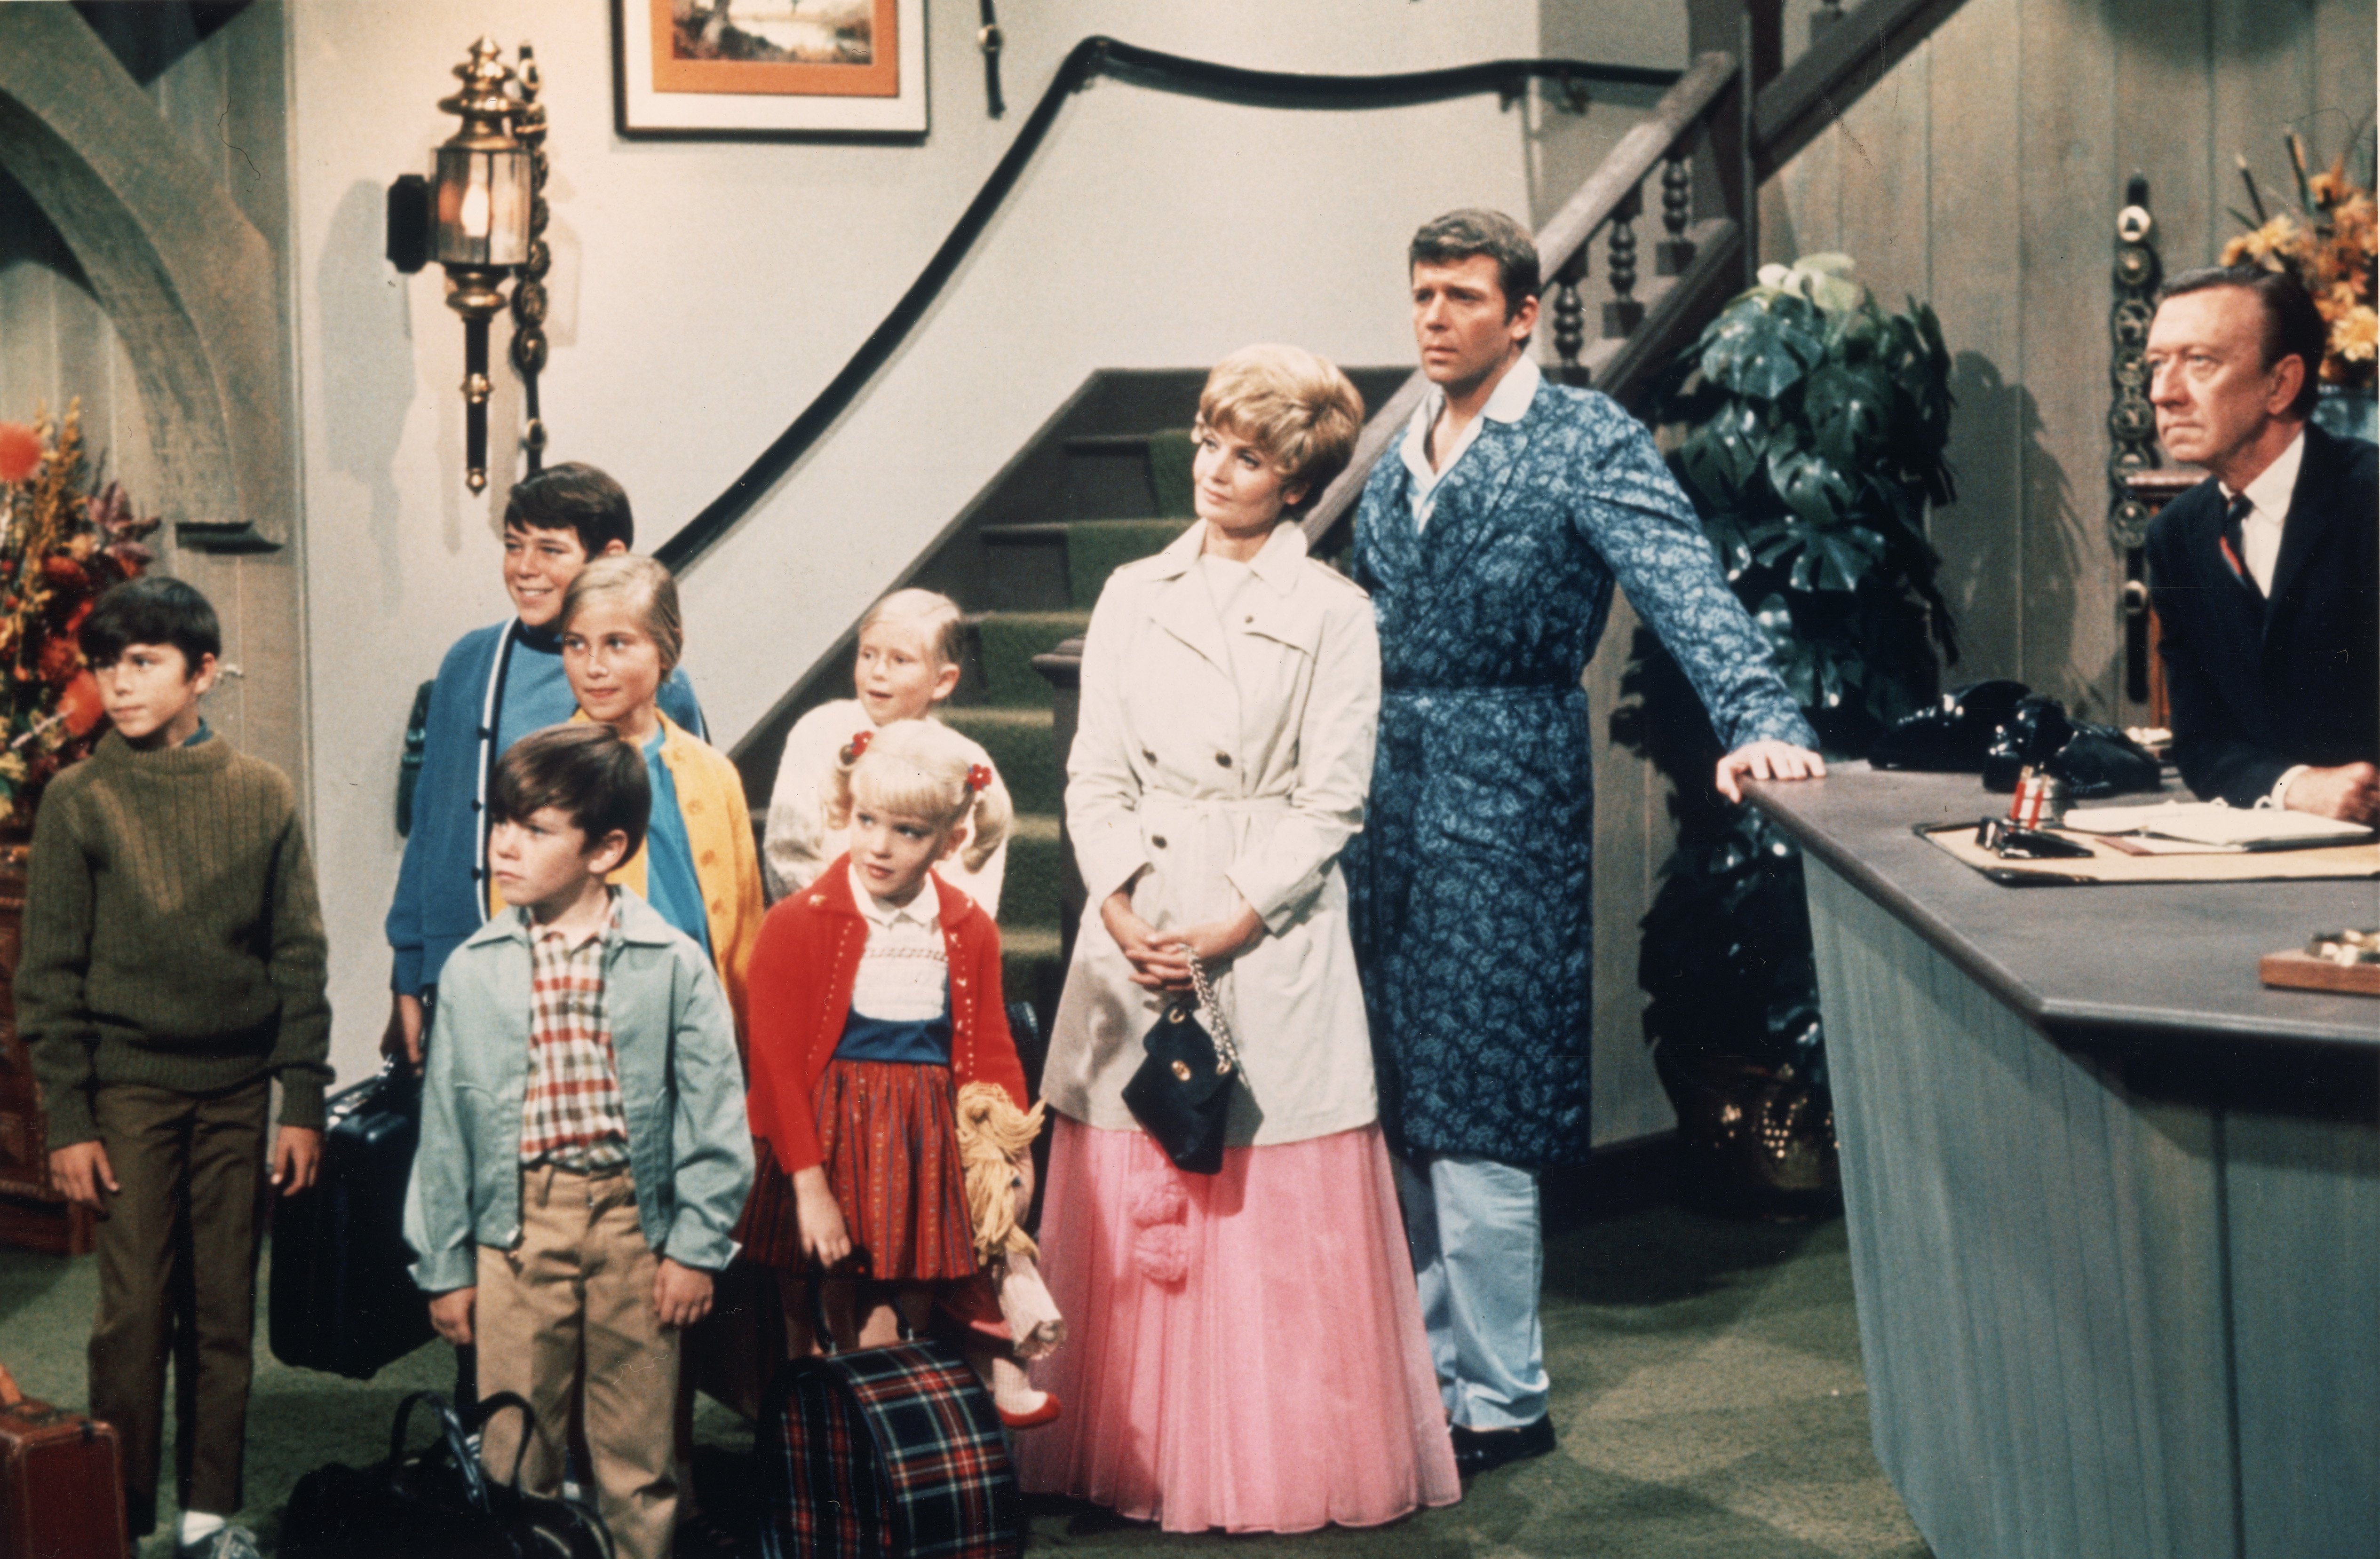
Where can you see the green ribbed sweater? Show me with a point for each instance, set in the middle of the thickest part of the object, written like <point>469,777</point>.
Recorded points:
<point>172,934</point>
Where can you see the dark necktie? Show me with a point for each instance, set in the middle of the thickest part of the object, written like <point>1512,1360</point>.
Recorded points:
<point>2235,546</point>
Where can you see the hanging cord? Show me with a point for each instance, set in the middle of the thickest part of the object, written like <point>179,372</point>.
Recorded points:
<point>528,292</point>
<point>1092,57</point>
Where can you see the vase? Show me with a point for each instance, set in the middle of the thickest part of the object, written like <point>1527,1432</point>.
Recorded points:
<point>1752,1139</point>
<point>2348,414</point>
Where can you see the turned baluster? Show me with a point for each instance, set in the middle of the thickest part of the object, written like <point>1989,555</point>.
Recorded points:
<point>1624,313</point>
<point>1675,252</point>
<point>1570,318</point>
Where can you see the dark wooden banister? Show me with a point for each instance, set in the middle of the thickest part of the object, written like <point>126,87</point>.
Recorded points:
<point>1678,115</point>
<point>1840,63</point>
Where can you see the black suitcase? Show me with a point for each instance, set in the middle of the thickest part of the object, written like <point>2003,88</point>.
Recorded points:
<point>342,1300</point>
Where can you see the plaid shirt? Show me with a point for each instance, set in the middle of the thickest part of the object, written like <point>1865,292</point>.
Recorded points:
<point>571,1114</point>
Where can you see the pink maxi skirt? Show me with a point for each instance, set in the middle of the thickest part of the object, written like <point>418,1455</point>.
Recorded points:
<point>1244,1350</point>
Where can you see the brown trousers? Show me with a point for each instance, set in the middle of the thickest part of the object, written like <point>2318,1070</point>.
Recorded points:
<point>177,1250</point>
<point>567,1321</point>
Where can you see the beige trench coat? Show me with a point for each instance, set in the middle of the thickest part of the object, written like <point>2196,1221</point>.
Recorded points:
<point>1218,787</point>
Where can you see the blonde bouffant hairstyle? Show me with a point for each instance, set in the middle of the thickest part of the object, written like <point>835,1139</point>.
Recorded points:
<point>645,587</point>
<point>1295,406</point>
<point>923,768</point>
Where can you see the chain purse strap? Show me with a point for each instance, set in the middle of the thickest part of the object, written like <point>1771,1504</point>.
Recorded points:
<point>1227,1049</point>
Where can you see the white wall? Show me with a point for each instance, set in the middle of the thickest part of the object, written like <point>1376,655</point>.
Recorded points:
<point>703,292</point>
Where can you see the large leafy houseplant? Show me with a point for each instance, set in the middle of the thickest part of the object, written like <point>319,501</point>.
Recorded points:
<point>1812,424</point>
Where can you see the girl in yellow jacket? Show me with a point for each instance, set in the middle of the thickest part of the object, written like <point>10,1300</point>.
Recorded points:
<point>621,637</point>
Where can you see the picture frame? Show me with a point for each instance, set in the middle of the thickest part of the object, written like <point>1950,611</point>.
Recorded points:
<point>831,69</point>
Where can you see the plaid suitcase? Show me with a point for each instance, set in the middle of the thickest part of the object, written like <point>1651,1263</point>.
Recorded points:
<point>61,1486</point>
<point>886,1453</point>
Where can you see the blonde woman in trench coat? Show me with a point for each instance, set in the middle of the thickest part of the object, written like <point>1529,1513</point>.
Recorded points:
<point>1246,1350</point>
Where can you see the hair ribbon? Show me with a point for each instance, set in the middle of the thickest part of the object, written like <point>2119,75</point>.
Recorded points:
<point>978,776</point>
<point>859,739</point>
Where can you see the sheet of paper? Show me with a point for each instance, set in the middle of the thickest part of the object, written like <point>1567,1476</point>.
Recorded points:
<point>2203,823</point>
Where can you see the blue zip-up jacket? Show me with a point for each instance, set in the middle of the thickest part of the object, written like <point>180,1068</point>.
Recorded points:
<point>441,889</point>
<point>681,1086</point>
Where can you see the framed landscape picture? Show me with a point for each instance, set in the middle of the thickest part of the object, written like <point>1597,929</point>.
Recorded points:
<point>762,68</point>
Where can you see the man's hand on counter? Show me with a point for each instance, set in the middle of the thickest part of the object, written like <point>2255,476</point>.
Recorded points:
<point>2349,792</point>
<point>1779,760</point>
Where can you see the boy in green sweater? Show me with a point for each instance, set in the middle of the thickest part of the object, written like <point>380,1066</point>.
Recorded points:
<point>173,968</point>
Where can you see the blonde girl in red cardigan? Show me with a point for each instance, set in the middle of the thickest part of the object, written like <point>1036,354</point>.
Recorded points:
<point>875,997</point>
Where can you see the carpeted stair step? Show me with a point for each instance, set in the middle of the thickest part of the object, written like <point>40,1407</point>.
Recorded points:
<point>1028,894</point>
<point>1022,748</point>
<point>1096,549</point>
<point>1169,453</point>
<point>1009,640</point>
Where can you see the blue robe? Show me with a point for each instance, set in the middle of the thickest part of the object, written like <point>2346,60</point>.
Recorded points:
<point>1470,884</point>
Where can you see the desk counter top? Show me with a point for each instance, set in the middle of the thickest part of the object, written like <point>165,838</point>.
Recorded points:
<point>2123,962</point>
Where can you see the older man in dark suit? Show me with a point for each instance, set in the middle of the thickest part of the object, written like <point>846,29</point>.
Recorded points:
<point>2267,577</point>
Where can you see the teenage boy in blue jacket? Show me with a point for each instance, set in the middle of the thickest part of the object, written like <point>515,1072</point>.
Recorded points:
<point>496,685</point>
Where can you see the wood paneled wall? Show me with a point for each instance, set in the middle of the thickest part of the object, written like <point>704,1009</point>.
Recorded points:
<point>225,98</point>
<point>1984,173</point>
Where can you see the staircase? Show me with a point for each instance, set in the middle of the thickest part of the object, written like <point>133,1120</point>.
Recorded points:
<point>1104,481</point>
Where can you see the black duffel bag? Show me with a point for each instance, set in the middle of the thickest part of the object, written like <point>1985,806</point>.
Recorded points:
<point>342,1298</point>
<point>437,1501</point>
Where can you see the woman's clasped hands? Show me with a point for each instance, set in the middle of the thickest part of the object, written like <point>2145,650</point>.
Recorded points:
<point>1160,960</point>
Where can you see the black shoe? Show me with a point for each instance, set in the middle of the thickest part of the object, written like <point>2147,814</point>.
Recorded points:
<point>1484,1450</point>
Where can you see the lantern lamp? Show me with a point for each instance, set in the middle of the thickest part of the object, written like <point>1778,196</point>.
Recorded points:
<point>481,190</point>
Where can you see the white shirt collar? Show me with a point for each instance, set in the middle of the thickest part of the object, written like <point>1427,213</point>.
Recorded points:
<point>2271,489</point>
<point>1508,403</point>
<point>925,910</point>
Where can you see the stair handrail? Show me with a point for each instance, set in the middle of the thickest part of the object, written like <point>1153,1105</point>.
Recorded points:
<point>1840,63</point>
<point>1095,56</point>
<point>1679,114</point>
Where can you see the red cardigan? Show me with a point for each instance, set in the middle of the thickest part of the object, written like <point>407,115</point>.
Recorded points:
<point>799,992</point>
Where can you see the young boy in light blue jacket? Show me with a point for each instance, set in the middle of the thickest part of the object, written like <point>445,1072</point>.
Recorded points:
<point>584,1149</point>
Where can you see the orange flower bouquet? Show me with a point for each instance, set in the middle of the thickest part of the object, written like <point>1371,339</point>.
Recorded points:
<point>62,540</point>
<point>2331,242</point>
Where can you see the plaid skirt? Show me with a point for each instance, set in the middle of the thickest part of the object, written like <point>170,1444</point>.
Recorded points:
<point>889,1137</point>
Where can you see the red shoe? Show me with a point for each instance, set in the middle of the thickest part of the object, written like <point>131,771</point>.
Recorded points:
<point>1046,1413</point>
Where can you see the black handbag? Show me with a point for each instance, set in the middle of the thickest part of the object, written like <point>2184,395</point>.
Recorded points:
<point>342,1298</point>
<point>1181,1093</point>
<point>438,1501</point>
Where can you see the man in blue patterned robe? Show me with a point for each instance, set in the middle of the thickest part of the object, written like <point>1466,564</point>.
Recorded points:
<point>1491,541</point>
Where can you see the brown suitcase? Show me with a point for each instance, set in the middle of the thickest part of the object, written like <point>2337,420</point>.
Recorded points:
<point>61,1492</point>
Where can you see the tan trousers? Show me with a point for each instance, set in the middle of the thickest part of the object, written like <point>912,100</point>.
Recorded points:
<point>567,1321</point>
<point>178,1249</point>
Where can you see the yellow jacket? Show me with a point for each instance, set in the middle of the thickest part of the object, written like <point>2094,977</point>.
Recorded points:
<point>719,831</point>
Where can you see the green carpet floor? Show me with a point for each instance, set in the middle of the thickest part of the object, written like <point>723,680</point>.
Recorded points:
<point>1707,1388</point>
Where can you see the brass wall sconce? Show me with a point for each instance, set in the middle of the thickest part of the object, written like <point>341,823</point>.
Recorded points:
<point>482,215</point>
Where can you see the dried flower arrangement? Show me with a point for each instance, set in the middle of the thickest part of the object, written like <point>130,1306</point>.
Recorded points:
<point>62,540</point>
<point>2331,242</point>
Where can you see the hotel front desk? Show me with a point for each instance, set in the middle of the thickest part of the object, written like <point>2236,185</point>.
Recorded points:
<point>2114,1206</point>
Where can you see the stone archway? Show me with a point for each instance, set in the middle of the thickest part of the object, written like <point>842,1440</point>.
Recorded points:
<point>189,282</point>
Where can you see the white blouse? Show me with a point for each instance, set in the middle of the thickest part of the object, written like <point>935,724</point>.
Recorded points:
<point>904,972</point>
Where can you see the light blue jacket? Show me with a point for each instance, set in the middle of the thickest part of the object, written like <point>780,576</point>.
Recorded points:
<point>689,1143</point>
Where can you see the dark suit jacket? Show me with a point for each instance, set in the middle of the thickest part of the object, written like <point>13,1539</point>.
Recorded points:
<point>2259,687</point>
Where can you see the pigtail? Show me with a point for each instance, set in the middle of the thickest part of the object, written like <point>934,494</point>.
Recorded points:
<point>835,791</point>
<point>992,812</point>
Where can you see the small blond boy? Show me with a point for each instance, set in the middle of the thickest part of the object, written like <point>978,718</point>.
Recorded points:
<point>908,667</point>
